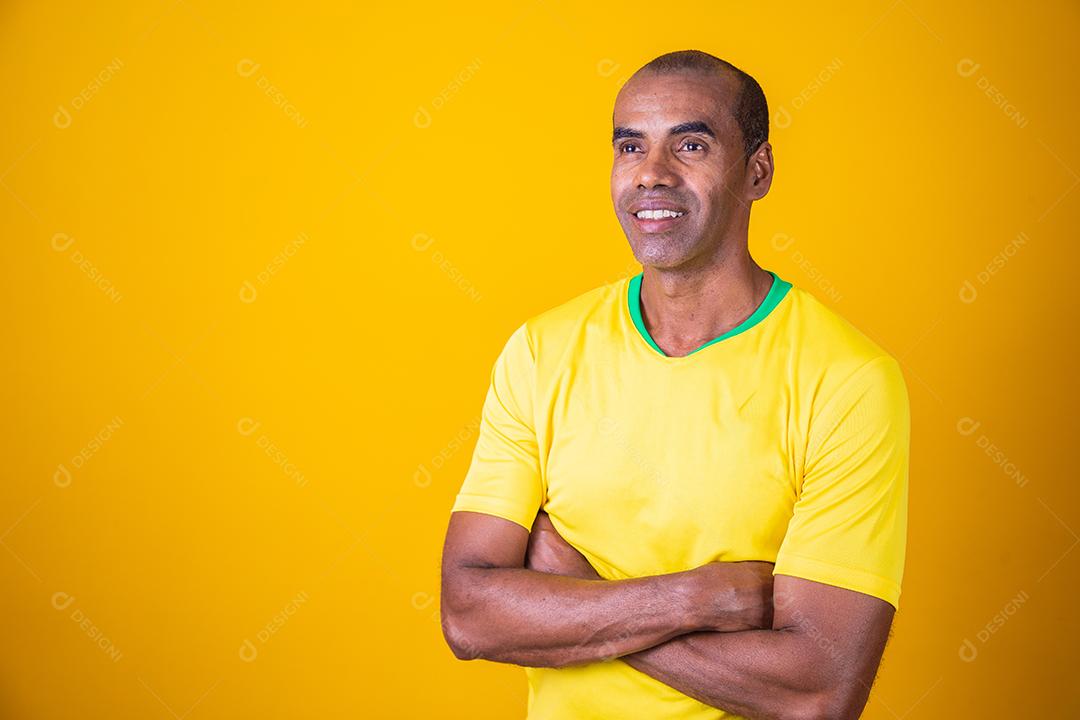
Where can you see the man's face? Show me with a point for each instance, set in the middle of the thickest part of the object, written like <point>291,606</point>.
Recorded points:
<point>698,170</point>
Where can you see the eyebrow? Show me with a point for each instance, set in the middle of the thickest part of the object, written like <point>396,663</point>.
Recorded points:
<point>695,126</point>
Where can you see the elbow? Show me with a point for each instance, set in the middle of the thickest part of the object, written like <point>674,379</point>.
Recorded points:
<point>462,649</point>
<point>465,645</point>
<point>475,641</point>
<point>835,704</point>
<point>464,628</point>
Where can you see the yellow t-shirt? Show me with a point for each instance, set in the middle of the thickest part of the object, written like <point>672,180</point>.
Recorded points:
<point>786,440</point>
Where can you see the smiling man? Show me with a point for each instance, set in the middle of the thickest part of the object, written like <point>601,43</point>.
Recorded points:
<point>688,497</point>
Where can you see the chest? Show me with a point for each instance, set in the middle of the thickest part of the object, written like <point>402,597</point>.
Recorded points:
<point>662,472</point>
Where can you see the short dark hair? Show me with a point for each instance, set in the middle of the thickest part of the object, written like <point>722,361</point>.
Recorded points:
<point>751,111</point>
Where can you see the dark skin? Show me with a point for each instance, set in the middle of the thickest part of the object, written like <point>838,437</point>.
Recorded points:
<point>730,634</point>
<point>699,279</point>
<point>496,606</point>
<point>818,658</point>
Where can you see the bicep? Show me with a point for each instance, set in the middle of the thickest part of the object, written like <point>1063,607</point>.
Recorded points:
<point>475,539</point>
<point>475,543</point>
<point>846,630</point>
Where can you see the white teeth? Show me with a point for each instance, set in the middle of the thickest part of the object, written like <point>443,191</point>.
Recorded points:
<point>657,214</point>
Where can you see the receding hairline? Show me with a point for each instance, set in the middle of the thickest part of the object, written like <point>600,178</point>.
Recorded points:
<point>704,72</point>
<point>746,102</point>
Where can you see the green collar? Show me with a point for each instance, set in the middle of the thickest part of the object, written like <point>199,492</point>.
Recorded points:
<point>776,293</point>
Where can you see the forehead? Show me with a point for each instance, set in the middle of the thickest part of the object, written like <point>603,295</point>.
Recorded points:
<point>652,103</point>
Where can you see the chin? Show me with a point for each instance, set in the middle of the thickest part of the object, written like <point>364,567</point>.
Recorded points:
<point>661,252</point>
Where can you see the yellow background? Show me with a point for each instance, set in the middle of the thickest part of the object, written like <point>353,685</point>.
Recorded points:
<point>255,278</point>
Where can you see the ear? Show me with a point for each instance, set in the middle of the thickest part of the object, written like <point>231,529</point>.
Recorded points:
<point>759,172</point>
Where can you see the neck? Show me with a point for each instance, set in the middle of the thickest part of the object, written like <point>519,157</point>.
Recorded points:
<point>685,307</point>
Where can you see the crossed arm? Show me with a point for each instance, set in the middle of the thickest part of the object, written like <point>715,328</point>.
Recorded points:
<point>727,634</point>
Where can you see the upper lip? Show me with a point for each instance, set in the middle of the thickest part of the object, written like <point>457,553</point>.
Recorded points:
<point>655,205</point>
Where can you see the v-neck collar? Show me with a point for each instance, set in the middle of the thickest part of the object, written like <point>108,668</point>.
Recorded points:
<point>776,293</point>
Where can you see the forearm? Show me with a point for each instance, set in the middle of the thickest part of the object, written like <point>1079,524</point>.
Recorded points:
<point>537,619</point>
<point>758,674</point>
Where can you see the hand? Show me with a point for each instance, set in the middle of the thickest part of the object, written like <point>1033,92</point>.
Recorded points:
<point>735,595</point>
<point>549,553</point>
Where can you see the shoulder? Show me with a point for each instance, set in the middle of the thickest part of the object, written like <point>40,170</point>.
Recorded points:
<point>549,334</point>
<point>838,363</point>
<point>558,326</point>
<point>827,340</point>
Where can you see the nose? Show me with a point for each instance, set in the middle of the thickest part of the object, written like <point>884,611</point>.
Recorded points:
<point>657,169</point>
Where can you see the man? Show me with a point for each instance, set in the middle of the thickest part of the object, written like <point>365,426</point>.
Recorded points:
<point>712,464</point>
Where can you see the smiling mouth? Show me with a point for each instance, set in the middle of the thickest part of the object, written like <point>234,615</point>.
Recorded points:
<point>657,220</point>
<point>657,214</point>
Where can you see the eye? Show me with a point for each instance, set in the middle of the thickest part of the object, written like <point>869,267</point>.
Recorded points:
<point>624,146</point>
<point>692,142</point>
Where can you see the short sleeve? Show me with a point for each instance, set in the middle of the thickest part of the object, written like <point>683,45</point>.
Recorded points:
<point>849,526</point>
<point>504,476</point>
